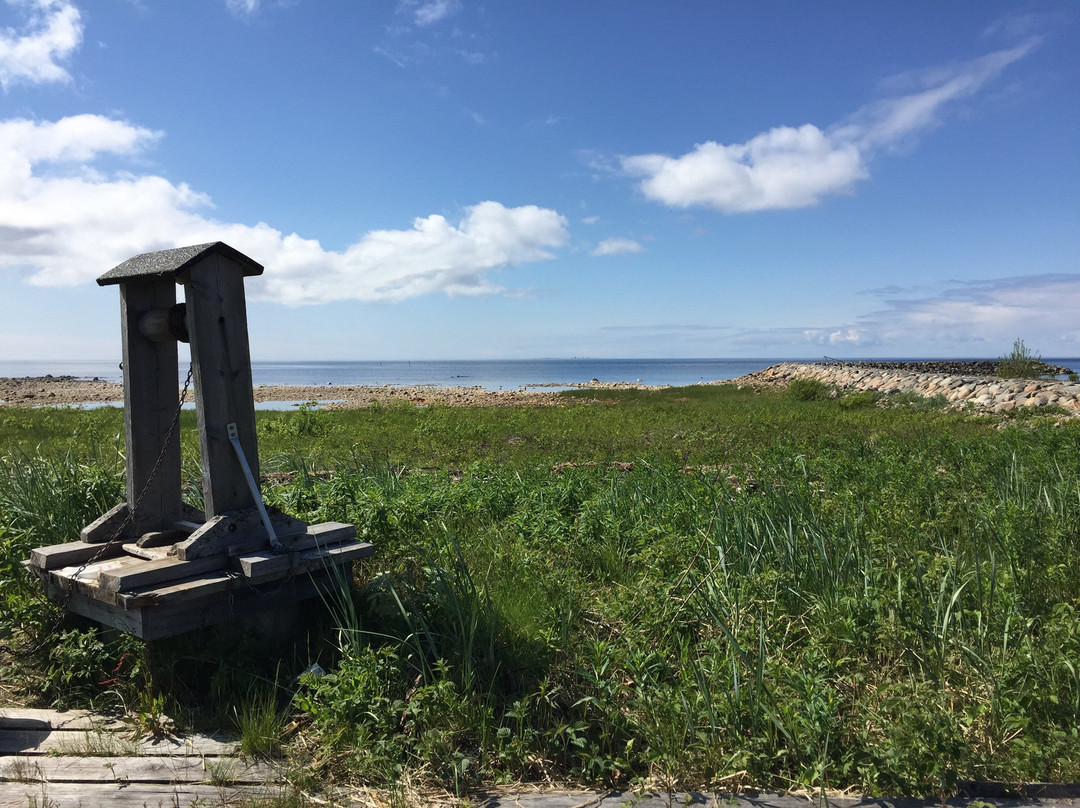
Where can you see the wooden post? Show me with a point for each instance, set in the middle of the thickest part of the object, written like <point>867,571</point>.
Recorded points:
<point>150,404</point>
<point>217,320</point>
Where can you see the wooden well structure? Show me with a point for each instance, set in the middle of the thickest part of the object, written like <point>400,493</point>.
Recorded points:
<point>154,566</point>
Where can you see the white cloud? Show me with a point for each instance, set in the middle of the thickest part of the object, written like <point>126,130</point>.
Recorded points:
<point>435,256</point>
<point>71,222</point>
<point>1041,306</point>
<point>788,167</point>
<point>979,319</point>
<point>428,12</point>
<point>473,57</point>
<point>617,246</point>
<point>847,337</point>
<point>53,32</point>
<point>242,8</point>
<point>781,168</point>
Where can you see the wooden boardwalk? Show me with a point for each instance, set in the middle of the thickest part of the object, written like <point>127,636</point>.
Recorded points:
<point>51,759</point>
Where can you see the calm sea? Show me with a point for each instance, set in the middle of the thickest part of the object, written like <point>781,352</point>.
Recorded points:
<point>490,374</point>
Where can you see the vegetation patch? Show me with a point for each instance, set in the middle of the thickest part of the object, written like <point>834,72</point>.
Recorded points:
<point>697,588</point>
<point>1022,363</point>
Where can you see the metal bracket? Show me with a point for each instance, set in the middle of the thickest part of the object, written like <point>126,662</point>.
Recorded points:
<point>234,439</point>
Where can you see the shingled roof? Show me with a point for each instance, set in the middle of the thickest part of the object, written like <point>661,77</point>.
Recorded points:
<point>173,262</point>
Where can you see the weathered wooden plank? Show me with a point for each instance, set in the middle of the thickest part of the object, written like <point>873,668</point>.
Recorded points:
<point>268,566</point>
<point>92,573</point>
<point>182,591</point>
<point>195,587</point>
<point>147,553</point>
<point>189,607</point>
<point>72,552</point>
<point>150,405</point>
<point>237,532</point>
<point>161,538</point>
<point>147,769</point>
<point>148,573</point>
<point>33,718</point>
<point>59,582</point>
<point>321,534</point>
<point>105,526</point>
<point>108,743</point>
<point>85,601</point>
<point>217,320</point>
<point>242,601</point>
<point>133,795</point>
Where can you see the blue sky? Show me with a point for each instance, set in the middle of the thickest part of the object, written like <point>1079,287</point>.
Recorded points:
<point>440,179</point>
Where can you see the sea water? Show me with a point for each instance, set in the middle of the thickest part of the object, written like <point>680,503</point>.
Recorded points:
<point>489,374</point>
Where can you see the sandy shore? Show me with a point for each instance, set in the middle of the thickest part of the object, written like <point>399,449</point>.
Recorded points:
<point>66,390</point>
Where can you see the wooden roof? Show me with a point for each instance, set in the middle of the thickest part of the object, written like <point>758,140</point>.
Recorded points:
<point>174,262</point>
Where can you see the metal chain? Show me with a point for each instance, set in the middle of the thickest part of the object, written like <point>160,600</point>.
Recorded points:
<point>118,533</point>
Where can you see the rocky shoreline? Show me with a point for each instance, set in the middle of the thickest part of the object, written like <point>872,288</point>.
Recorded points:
<point>38,391</point>
<point>948,367</point>
<point>962,383</point>
<point>959,383</point>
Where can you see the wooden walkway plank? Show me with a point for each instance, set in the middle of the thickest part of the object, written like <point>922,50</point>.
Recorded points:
<point>149,769</point>
<point>104,743</point>
<point>27,718</point>
<point>133,795</point>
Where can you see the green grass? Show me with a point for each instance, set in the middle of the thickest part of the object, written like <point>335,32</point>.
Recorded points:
<point>699,587</point>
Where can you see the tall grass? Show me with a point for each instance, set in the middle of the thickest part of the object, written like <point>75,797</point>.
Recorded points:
<point>698,588</point>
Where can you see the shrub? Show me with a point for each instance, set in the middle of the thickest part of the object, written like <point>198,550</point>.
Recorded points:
<point>808,390</point>
<point>859,400</point>
<point>1021,363</point>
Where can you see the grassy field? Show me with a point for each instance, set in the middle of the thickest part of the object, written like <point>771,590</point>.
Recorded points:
<point>697,587</point>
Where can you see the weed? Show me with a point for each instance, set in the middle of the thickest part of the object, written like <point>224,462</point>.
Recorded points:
<point>98,743</point>
<point>1021,363</point>
<point>22,770</point>
<point>858,400</point>
<point>259,723</point>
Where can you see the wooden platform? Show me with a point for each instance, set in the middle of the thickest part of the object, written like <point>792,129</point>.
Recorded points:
<point>61,759</point>
<point>155,592</point>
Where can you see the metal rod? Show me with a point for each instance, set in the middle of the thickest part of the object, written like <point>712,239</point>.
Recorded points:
<point>234,439</point>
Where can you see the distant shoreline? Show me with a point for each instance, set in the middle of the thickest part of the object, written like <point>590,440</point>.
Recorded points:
<point>48,390</point>
<point>490,374</point>
<point>60,391</point>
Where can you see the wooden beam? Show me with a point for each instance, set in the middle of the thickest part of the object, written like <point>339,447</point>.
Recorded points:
<point>56,556</point>
<point>261,567</point>
<point>150,405</point>
<point>241,601</point>
<point>217,320</point>
<point>149,553</point>
<point>238,531</point>
<point>147,573</point>
<point>185,590</point>
<point>105,527</point>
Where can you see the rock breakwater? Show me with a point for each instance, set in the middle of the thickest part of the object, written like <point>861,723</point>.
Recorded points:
<point>951,367</point>
<point>983,392</point>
